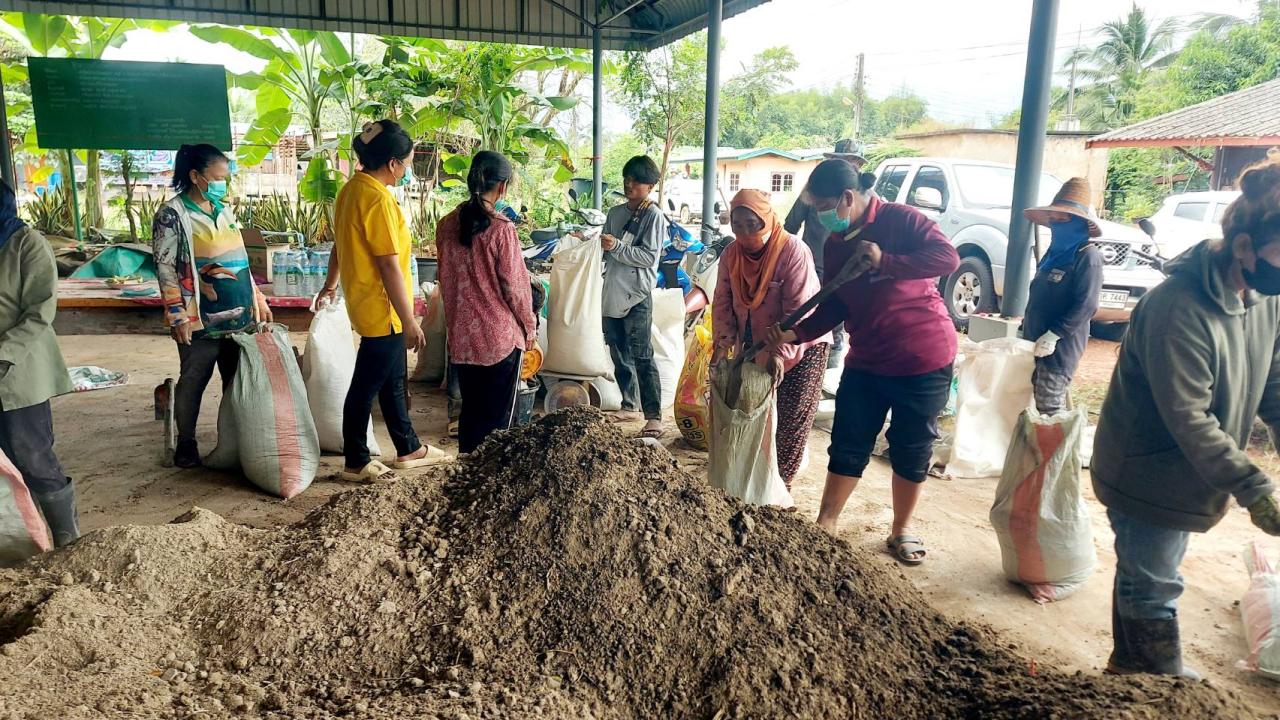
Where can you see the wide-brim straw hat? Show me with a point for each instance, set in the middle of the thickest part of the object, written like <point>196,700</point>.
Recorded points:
<point>1072,199</point>
<point>847,150</point>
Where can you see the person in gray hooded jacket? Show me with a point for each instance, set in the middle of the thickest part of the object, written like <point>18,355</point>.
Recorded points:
<point>1199,363</point>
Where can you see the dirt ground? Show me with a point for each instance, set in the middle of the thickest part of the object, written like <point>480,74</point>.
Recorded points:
<point>110,444</point>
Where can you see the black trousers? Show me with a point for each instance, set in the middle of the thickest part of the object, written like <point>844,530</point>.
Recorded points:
<point>26,436</point>
<point>862,403</point>
<point>631,346</point>
<point>197,361</point>
<point>381,372</point>
<point>488,399</point>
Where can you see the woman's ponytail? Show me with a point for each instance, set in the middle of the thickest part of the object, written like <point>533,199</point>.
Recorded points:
<point>488,170</point>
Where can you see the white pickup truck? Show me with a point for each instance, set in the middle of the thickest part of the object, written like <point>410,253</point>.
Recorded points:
<point>971,201</point>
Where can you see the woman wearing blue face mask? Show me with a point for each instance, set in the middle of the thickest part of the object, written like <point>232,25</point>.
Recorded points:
<point>203,271</point>
<point>1064,293</point>
<point>371,256</point>
<point>901,341</point>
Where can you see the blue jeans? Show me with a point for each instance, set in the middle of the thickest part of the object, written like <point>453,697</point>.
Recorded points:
<point>1148,583</point>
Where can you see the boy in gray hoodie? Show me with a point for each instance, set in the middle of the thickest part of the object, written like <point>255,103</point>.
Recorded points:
<point>1199,363</point>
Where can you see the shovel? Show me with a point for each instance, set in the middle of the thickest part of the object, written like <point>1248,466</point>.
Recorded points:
<point>852,269</point>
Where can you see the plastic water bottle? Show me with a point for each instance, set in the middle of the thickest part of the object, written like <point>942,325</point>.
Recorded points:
<point>293,274</point>
<point>320,265</point>
<point>413,272</point>
<point>279,267</point>
<point>310,284</point>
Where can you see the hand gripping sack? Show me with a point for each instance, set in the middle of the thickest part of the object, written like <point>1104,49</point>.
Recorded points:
<point>1040,516</point>
<point>431,361</point>
<point>575,325</point>
<point>994,388</point>
<point>744,456</point>
<point>327,368</point>
<point>264,423</point>
<point>693,399</point>
<point>1260,610</point>
<point>23,532</point>
<point>667,335</point>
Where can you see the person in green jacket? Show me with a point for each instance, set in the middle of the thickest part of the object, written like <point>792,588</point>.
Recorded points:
<point>31,367</point>
<point>1199,363</point>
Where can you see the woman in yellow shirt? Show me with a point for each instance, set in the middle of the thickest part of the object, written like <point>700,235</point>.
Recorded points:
<point>371,258</point>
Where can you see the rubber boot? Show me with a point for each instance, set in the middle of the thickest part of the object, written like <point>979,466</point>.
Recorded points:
<point>1149,647</point>
<point>187,454</point>
<point>59,508</point>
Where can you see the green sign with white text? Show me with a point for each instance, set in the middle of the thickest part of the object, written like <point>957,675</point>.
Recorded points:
<point>116,105</point>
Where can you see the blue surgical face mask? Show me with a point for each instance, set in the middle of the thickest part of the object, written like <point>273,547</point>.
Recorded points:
<point>832,221</point>
<point>216,191</point>
<point>407,177</point>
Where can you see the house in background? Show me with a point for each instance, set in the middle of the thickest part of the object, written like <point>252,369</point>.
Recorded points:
<point>1065,152</point>
<point>1241,127</point>
<point>781,173</point>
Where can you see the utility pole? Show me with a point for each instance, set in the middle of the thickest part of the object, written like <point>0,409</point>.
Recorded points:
<point>1071,96</point>
<point>859,97</point>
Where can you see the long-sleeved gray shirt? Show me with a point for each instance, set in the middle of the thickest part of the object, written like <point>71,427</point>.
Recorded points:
<point>1198,364</point>
<point>631,267</point>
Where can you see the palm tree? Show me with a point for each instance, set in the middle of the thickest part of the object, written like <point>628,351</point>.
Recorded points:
<point>1116,69</point>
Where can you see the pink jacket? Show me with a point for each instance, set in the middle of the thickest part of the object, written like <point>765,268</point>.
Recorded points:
<point>794,281</point>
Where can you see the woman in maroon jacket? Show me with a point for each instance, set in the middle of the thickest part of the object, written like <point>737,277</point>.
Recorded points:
<point>901,341</point>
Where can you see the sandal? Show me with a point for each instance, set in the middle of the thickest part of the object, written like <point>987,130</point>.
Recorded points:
<point>651,432</point>
<point>434,456</point>
<point>908,549</point>
<point>453,428</point>
<point>625,416</point>
<point>374,472</point>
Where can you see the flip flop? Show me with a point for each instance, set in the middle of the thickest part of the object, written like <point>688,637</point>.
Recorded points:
<point>453,428</point>
<point>653,433</point>
<point>374,472</point>
<point>908,549</point>
<point>626,416</point>
<point>434,456</point>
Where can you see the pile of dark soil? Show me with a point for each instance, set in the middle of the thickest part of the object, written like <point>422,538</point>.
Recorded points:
<point>562,572</point>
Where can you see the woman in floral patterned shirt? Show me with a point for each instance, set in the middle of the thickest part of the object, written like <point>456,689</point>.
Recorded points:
<point>488,301</point>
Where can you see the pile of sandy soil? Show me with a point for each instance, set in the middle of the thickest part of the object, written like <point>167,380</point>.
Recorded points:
<point>562,572</point>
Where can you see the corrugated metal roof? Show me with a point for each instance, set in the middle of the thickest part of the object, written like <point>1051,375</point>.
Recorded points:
<point>626,24</point>
<point>1245,117</point>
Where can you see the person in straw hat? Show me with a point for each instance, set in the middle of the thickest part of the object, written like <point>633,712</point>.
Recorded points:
<point>1064,293</point>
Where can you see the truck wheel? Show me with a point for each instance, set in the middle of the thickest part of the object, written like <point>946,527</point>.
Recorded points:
<point>1108,331</point>
<point>970,290</point>
<point>685,215</point>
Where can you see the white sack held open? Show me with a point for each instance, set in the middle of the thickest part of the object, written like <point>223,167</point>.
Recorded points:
<point>575,325</point>
<point>994,387</point>
<point>744,456</point>
<point>327,368</point>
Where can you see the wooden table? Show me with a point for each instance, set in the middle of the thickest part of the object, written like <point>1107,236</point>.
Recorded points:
<point>89,307</point>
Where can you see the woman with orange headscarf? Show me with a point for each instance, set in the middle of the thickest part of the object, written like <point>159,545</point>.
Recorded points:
<point>767,274</point>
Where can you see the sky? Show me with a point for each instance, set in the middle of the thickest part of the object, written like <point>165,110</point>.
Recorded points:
<point>966,59</point>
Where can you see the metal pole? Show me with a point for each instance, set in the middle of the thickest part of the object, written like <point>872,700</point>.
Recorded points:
<point>1031,130</point>
<point>6,150</point>
<point>711,130</point>
<point>75,198</point>
<point>597,119</point>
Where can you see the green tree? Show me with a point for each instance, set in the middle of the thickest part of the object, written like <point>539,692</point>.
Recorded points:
<point>72,37</point>
<point>900,110</point>
<point>1115,71</point>
<point>745,97</point>
<point>304,73</point>
<point>665,92</point>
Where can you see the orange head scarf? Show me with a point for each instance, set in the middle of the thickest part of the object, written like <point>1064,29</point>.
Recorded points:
<point>758,259</point>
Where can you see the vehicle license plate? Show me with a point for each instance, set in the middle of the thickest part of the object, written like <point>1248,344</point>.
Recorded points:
<point>1113,299</point>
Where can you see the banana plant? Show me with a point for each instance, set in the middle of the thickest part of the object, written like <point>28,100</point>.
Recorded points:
<point>305,71</point>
